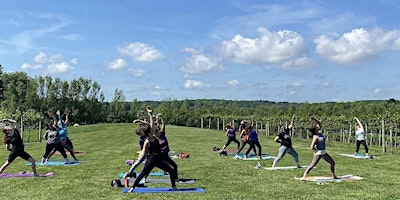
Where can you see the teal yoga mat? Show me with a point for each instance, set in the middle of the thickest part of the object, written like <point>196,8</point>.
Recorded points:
<point>164,190</point>
<point>122,174</point>
<point>56,163</point>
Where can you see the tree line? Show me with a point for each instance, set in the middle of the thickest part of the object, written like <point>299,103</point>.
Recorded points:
<point>37,98</point>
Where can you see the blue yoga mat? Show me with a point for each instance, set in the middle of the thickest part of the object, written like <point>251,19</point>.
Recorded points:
<point>56,163</point>
<point>122,174</point>
<point>285,167</point>
<point>168,190</point>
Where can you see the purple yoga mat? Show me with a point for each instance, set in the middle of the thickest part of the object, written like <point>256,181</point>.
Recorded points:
<point>27,174</point>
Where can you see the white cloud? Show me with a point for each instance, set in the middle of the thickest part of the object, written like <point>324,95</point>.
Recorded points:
<point>74,61</point>
<point>325,84</point>
<point>298,63</point>
<point>155,93</point>
<point>55,68</point>
<point>200,63</point>
<point>192,50</point>
<point>295,84</point>
<point>27,66</point>
<point>268,48</point>
<point>193,84</point>
<point>43,58</point>
<point>357,46</point>
<point>377,90</point>
<point>140,52</point>
<point>137,72</point>
<point>117,64</point>
<point>233,82</point>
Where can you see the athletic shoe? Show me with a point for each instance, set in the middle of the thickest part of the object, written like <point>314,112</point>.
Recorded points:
<point>355,154</point>
<point>35,174</point>
<point>114,183</point>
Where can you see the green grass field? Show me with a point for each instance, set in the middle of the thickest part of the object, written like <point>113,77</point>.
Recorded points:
<point>107,146</point>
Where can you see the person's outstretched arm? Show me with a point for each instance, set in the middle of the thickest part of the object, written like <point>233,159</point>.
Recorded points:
<point>292,121</point>
<point>317,121</point>
<point>359,123</point>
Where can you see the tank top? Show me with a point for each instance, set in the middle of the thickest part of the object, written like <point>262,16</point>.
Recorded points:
<point>231,132</point>
<point>360,134</point>
<point>154,147</point>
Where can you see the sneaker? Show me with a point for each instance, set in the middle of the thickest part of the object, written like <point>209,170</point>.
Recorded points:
<point>35,174</point>
<point>356,154</point>
<point>258,166</point>
<point>131,190</point>
<point>115,184</point>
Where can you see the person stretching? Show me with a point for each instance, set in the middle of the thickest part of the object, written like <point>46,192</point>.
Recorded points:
<point>286,144</point>
<point>12,137</point>
<point>160,135</point>
<point>361,137</point>
<point>253,141</point>
<point>318,145</point>
<point>231,133</point>
<point>154,157</point>
<point>53,142</point>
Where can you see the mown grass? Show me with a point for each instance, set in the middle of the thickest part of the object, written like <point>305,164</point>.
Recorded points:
<point>107,146</point>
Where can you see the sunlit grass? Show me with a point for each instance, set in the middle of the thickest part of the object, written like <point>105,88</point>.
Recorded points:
<point>107,146</point>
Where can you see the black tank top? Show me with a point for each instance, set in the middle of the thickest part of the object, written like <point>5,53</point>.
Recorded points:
<point>154,147</point>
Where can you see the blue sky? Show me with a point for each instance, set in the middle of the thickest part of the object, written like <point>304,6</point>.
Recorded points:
<point>293,51</point>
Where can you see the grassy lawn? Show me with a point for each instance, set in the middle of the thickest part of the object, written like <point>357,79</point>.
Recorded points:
<point>107,146</point>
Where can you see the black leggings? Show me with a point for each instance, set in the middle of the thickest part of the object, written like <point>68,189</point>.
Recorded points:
<point>253,145</point>
<point>171,163</point>
<point>156,161</point>
<point>244,144</point>
<point>232,139</point>
<point>58,147</point>
<point>364,143</point>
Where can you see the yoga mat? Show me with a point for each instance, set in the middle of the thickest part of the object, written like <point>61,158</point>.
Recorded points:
<point>348,177</point>
<point>264,157</point>
<point>122,174</point>
<point>56,163</point>
<point>285,167</point>
<point>160,180</point>
<point>167,190</point>
<point>26,174</point>
<point>130,162</point>
<point>357,156</point>
<point>75,152</point>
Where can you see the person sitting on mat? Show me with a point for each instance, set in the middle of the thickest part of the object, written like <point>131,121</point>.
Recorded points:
<point>53,142</point>
<point>12,137</point>
<point>361,137</point>
<point>286,144</point>
<point>231,134</point>
<point>318,145</point>
<point>154,157</point>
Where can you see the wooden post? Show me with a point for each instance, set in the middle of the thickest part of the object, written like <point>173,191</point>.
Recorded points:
<point>218,123</point>
<point>391,138</point>
<point>40,131</point>
<point>383,137</point>
<point>209,123</point>
<point>202,122</point>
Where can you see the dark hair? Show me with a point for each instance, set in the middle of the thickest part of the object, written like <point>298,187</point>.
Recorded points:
<point>137,131</point>
<point>313,130</point>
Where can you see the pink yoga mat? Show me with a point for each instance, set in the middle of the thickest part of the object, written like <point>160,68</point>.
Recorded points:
<point>27,174</point>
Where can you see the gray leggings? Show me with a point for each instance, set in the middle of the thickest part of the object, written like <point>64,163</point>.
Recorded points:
<point>283,150</point>
<point>316,159</point>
